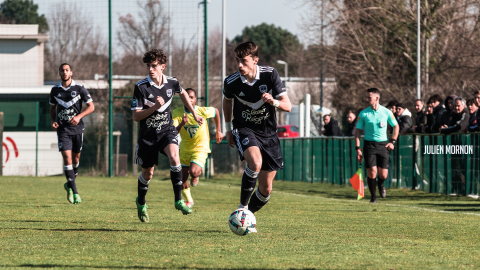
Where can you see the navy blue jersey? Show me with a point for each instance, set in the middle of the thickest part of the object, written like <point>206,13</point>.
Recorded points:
<point>249,111</point>
<point>144,97</point>
<point>69,104</point>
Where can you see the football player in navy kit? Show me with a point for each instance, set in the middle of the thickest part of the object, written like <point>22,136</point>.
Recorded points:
<point>66,118</point>
<point>151,106</point>
<point>253,94</point>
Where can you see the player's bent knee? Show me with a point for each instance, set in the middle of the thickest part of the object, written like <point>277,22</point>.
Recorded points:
<point>265,190</point>
<point>147,175</point>
<point>195,173</point>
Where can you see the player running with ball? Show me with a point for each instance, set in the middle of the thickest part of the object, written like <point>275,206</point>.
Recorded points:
<point>253,93</point>
<point>195,144</point>
<point>151,106</point>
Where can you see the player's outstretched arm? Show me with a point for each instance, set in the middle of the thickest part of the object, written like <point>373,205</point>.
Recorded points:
<point>227,114</point>
<point>53,117</point>
<point>283,102</point>
<point>182,123</point>
<point>218,127</point>
<point>90,108</point>
<point>186,101</point>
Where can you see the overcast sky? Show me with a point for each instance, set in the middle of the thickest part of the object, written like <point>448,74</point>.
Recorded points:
<point>286,14</point>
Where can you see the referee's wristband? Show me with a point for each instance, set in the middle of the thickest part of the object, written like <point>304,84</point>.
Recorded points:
<point>228,126</point>
<point>357,148</point>
<point>393,141</point>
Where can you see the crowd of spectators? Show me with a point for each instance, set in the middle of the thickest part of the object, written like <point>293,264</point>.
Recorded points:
<point>454,114</point>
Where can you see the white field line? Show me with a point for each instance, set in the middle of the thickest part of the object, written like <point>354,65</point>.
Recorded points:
<point>355,201</point>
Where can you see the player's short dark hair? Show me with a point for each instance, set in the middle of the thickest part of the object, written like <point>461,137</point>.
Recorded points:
<point>373,90</point>
<point>435,98</point>
<point>476,92</point>
<point>155,55</point>
<point>327,115</point>
<point>400,105</point>
<point>193,90</point>
<point>246,49</point>
<point>64,64</point>
<point>471,101</point>
<point>392,103</point>
<point>419,100</point>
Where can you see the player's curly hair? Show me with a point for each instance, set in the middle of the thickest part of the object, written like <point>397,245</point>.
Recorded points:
<point>246,49</point>
<point>155,55</point>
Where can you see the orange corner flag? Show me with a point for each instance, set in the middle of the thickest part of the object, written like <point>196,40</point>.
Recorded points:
<point>357,183</point>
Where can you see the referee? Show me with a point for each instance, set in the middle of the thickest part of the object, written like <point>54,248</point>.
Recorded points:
<point>374,120</point>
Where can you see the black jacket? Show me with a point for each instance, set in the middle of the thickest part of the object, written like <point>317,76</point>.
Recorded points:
<point>332,128</point>
<point>474,122</point>
<point>437,123</point>
<point>351,128</point>
<point>458,121</point>
<point>405,120</point>
<point>420,120</point>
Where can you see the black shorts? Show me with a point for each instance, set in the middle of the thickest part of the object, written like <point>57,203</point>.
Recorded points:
<point>70,142</point>
<point>147,155</point>
<point>376,154</point>
<point>272,159</point>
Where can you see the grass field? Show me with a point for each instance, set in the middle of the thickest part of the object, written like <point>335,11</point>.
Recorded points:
<point>304,226</point>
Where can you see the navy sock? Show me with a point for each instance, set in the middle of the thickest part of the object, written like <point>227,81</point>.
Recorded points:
<point>70,175</point>
<point>258,201</point>
<point>372,186</point>
<point>142,189</point>
<point>249,180</point>
<point>75,168</point>
<point>176,176</point>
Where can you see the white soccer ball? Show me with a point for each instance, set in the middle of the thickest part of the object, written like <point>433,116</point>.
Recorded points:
<point>242,222</point>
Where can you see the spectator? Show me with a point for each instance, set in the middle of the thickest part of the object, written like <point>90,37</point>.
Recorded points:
<point>459,117</point>
<point>438,111</point>
<point>420,117</point>
<point>447,115</point>
<point>331,126</point>
<point>404,118</point>
<point>430,118</point>
<point>473,124</point>
<point>392,106</point>
<point>352,123</point>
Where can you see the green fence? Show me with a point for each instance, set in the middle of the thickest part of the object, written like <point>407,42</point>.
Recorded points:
<point>333,160</point>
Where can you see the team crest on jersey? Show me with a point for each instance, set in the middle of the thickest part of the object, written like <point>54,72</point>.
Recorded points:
<point>74,94</point>
<point>169,92</point>
<point>134,102</point>
<point>245,141</point>
<point>263,88</point>
<point>383,124</point>
<point>191,130</point>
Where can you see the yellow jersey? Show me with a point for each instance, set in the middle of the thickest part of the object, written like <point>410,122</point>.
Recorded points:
<point>194,137</point>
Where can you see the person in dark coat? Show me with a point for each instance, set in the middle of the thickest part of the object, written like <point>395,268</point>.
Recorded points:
<point>420,117</point>
<point>438,111</point>
<point>352,123</point>
<point>459,118</point>
<point>404,118</point>
<point>474,122</point>
<point>392,106</point>
<point>447,115</point>
<point>430,118</point>
<point>331,126</point>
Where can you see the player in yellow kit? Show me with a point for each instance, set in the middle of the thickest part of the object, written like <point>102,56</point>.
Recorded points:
<point>195,144</point>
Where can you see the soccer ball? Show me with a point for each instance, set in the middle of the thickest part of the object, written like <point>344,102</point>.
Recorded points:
<point>242,222</point>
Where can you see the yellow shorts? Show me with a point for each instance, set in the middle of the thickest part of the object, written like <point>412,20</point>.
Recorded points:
<point>198,158</point>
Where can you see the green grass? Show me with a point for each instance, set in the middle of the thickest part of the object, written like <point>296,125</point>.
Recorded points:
<point>304,226</point>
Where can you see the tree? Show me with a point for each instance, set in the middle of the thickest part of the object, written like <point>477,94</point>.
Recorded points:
<point>148,33</point>
<point>22,12</point>
<point>274,44</point>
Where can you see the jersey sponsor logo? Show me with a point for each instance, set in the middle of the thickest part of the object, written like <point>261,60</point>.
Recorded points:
<point>134,102</point>
<point>158,121</point>
<point>73,93</point>
<point>263,88</point>
<point>245,141</point>
<point>169,92</point>
<point>191,130</point>
<point>241,94</point>
<point>255,116</point>
<point>66,114</point>
<point>150,96</point>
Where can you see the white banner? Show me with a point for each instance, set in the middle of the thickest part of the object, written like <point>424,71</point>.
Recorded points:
<point>19,155</point>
